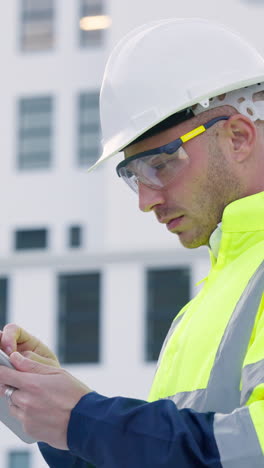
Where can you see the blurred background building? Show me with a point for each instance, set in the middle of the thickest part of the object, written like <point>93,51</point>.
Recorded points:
<point>81,267</point>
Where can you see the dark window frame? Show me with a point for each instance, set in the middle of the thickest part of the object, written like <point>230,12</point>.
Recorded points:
<point>75,236</point>
<point>4,300</point>
<point>88,101</point>
<point>87,350</point>
<point>22,237</point>
<point>15,453</point>
<point>155,335</point>
<point>29,109</point>
<point>29,19</point>
<point>91,39</point>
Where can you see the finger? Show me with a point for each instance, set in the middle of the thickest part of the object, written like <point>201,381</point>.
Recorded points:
<point>17,412</point>
<point>41,359</point>
<point>24,364</point>
<point>10,336</point>
<point>15,399</point>
<point>14,337</point>
<point>12,377</point>
<point>3,388</point>
<point>18,398</point>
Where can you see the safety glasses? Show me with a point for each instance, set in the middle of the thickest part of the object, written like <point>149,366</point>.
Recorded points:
<point>157,167</point>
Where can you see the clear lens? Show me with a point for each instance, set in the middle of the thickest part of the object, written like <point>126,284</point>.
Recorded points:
<point>155,171</point>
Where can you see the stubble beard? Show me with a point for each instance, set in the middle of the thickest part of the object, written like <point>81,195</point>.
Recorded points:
<point>219,188</point>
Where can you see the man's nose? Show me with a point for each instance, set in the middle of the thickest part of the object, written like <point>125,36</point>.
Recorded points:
<point>148,197</point>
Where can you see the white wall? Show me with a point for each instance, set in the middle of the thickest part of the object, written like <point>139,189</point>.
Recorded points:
<point>120,240</point>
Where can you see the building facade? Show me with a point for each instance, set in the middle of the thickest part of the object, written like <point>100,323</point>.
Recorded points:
<point>81,267</point>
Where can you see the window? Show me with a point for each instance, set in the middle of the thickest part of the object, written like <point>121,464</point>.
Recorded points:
<point>89,128</point>
<point>79,321</point>
<point>29,239</point>
<point>37,25</point>
<point>91,38</point>
<point>75,236</point>
<point>3,301</point>
<point>168,290</point>
<point>19,459</point>
<point>35,132</point>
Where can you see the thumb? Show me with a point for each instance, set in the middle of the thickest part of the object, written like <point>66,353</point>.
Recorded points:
<point>24,364</point>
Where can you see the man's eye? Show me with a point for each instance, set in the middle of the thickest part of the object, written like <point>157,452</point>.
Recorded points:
<point>160,166</point>
<point>129,174</point>
<point>132,175</point>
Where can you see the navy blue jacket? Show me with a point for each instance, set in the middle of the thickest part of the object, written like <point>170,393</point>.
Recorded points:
<point>128,433</point>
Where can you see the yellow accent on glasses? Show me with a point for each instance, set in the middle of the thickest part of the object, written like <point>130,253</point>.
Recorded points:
<point>193,133</point>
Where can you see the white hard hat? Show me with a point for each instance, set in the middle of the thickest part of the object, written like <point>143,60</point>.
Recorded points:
<point>166,66</point>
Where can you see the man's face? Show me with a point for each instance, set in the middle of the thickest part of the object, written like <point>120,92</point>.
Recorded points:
<point>192,204</point>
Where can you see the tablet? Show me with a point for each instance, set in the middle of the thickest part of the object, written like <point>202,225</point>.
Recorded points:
<point>12,423</point>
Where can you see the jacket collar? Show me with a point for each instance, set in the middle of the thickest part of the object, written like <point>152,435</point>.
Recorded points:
<point>242,227</point>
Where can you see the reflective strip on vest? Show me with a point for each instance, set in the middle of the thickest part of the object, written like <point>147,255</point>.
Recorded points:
<point>174,324</point>
<point>252,376</point>
<point>232,349</point>
<point>236,440</point>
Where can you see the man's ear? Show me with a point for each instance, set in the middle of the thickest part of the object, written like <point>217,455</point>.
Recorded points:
<point>240,135</point>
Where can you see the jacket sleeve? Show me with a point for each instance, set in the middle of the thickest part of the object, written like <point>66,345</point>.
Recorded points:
<point>127,433</point>
<point>61,458</point>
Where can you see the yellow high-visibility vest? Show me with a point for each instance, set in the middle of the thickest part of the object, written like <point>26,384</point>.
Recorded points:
<point>213,357</point>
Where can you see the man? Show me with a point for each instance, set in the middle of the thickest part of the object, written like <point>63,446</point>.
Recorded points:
<point>184,100</point>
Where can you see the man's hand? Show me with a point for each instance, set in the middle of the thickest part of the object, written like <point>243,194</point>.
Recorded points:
<point>43,399</point>
<point>14,338</point>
